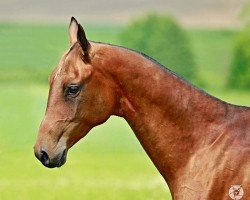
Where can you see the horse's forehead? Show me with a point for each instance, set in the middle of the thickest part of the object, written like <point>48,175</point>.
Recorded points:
<point>67,63</point>
<point>59,68</point>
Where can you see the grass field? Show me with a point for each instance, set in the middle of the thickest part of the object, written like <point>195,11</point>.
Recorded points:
<point>109,163</point>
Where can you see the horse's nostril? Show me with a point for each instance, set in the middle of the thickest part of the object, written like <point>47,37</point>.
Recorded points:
<point>44,157</point>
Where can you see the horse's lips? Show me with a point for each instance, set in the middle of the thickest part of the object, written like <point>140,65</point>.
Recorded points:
<point>58,161</point>
<point>63,158</point>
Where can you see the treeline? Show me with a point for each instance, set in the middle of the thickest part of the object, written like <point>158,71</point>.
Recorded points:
<point>166,41</point>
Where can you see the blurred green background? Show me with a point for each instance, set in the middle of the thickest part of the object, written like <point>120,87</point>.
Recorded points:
<point>109,162</point>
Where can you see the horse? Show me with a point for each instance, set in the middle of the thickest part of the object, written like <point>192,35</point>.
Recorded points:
<point>199,143</point>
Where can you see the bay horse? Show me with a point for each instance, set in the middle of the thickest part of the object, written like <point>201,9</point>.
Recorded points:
<point>199,144</point>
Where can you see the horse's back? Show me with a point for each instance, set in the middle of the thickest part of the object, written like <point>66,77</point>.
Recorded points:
<point>240,126</point>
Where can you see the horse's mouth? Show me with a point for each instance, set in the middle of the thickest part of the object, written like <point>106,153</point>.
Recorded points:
<point>63,158</point>
<point>56,161</point>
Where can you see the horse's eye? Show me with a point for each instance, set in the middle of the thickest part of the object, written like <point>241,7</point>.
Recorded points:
<point>73,90</point>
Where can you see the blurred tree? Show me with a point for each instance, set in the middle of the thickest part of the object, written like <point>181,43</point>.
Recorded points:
<point>164,40</point>
<point>240,69</point>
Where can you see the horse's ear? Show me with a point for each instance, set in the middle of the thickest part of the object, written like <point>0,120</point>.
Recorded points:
<point>81,37</point>
<point>73,29</point>
<point>76,33</point>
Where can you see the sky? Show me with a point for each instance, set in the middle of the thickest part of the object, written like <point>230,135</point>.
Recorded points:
<point>209,13</point>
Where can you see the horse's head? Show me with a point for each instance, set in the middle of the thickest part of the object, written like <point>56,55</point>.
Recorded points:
<point>79,99</point>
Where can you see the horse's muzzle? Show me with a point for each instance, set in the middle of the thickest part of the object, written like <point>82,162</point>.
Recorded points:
<point>56,161</point>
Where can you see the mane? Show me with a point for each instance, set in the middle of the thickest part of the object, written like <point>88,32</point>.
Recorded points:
<point>185,81</point>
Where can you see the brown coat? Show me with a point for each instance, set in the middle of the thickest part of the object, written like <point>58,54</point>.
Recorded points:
<point>200,144</point>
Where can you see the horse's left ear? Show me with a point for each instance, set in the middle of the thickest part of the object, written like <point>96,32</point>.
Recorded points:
<point>77,34</point>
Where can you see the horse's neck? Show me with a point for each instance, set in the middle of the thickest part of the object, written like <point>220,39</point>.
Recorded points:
<point>168,115</point>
